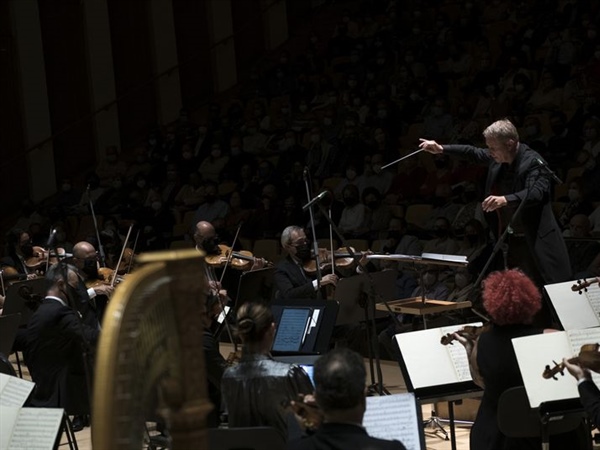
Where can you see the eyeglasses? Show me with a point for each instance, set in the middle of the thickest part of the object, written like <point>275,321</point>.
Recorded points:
<point>299,243</point>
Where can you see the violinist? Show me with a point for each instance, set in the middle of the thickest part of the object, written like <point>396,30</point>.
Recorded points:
<point>511,300</point>
<point>291,281</point>
<point>588,391</point>
<point>96,292</point>
<point>19,249</point>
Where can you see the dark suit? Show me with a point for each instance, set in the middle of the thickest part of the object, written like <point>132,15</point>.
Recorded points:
<point>342,436</point>
<point>590,398</point>
<point>291,281</point>
<point>53,353</point>
<point>541,231</point>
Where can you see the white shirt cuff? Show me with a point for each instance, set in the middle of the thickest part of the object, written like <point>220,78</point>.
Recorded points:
<point>91,292</point>
<point>315,284</point>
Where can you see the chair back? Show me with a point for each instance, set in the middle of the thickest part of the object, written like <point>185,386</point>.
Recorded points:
<point>8,331</point>
<point>247,438</point>
<point>151,347</point>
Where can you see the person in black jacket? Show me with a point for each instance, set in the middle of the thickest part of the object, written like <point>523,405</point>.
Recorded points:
<point>340,378</point>
<point>515,174</point>
<point>57,345</point>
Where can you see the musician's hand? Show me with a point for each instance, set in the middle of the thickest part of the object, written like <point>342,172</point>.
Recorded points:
<point>104,289</point>
<point>431,146</point>
<point>330,278</point>
<point>258,263</point>
<point>466,343</point>
<point>364,260</point>
<point>493,202</point>
<point>214,285</point>
<point>577,371</point>
<point>307,411</point>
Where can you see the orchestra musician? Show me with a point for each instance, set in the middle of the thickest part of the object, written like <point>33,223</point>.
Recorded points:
<point>511,299</point>
<point>19,248</point>
<point>55,345</point>
<point>94,291</point>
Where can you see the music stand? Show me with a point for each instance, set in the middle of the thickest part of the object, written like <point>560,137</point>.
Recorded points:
<point>317,341</point>
<point>8,331</point>
<point>24,297</point>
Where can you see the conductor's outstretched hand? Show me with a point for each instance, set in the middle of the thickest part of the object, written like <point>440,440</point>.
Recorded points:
<point>431,146</point>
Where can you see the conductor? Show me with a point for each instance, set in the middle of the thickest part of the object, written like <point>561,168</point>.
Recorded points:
<point>515,174</point>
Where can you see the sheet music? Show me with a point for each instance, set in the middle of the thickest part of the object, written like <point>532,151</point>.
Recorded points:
<point>394,417</point>
<point>593,296</point>
<point>8,417</point>
<point>574,311</point>
<point>533,354</point>
<point>14,391</point>
<point>33,429</point>
<point>292,329</point>
<point>429,363</point>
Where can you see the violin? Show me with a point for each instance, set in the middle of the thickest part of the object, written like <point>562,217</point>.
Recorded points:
<point>582,286</point>
<point>469,332</point>
<point>126,261</point>
<point>40,256</point>
<point>342,259</point>
<point>242,260</point>
<point>588,358</point>
<point>307,409</point>
<point>105,276</point>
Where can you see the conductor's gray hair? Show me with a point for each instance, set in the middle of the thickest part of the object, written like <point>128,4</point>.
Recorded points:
<point>502,130</point>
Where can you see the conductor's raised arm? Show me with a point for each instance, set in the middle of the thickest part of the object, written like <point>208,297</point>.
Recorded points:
<point>431,146</point>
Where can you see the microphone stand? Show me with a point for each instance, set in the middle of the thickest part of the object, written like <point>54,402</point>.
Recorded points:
<point>373,347</point>
<point>100,247</point>
<point>314,233</point>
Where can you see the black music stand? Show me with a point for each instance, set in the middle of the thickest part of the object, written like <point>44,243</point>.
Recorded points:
<point>24,298</point>
<point>317,341</point>
<point>255,285</point>
<point>8,331</point>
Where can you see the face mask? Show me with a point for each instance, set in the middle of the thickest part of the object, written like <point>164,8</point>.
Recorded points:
<point>90,268</point>
<point>303,251</point>
<point>429,279</point>
<point>573,194</point>
<point>211,246</point>
<point>461,280</point>
<point>441,232</point>
<point>472,239</point>
<point>350,201</point>
<point>141,184</point>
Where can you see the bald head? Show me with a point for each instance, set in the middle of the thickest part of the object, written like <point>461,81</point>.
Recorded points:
<point>204,232</point>
<point>83,250</point>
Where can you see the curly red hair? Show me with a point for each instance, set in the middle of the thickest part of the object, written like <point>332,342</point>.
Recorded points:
<point>510,297</point>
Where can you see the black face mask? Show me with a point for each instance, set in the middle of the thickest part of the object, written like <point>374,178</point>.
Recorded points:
<point>26,249</point>
<point>303,251</point>
<point>350,201</point>
<point>472,239</point>
<point>211,246</point>
<point>90,268</point>
<point>441,232</point>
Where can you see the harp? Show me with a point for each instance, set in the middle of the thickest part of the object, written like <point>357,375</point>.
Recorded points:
<point>151,347</point>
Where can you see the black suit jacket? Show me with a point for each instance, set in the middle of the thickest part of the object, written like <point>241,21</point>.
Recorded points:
<point>291,282</point>
<point>542,233</point>
<point>341,436</point>
<point>590,398</point>
<point>53,353</point>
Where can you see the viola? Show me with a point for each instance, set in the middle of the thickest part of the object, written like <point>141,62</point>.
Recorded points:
<point>242,260</point>
<point>469,332</point>
<point>582,286</point>
<point>588,358</point>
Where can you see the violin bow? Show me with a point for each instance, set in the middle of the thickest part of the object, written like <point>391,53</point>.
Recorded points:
<point>100,247</point>
<point>229,333</point>
<point>137,235</point>
<point>112,283</point>
<point>331,242</point>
